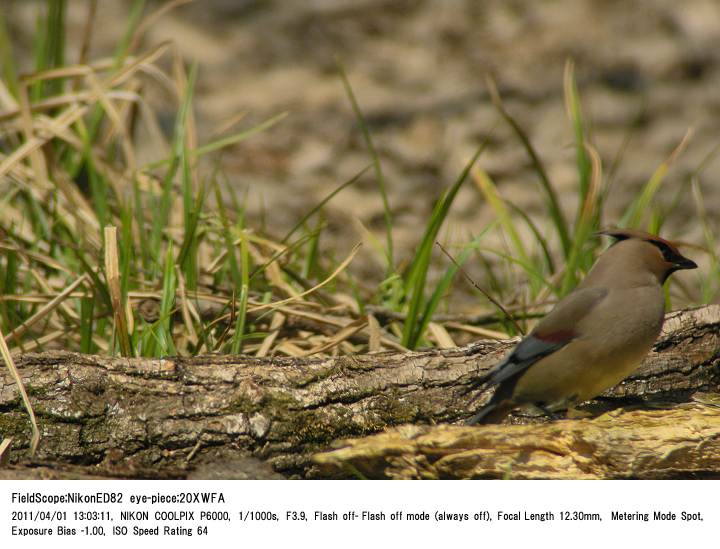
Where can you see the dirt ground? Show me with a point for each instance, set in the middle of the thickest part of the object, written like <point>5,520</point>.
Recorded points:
<point>418,69</point>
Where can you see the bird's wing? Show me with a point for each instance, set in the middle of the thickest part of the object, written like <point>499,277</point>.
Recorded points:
<point>555,331</point>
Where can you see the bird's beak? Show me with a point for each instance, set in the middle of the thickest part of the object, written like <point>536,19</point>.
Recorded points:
<point>685,263</point>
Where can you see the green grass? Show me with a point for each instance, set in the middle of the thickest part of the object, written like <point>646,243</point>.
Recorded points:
<point>577,243</point>
<point>191,274</point>
<point>377,166</point>
<point>419,310</point>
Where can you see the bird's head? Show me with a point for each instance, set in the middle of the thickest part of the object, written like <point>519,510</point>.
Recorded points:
<point>644,251</point>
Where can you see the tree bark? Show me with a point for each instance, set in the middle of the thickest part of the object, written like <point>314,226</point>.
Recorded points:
<point>226,416</point>
<point>681,442</point>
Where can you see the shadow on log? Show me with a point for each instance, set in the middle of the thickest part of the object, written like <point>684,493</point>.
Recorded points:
<point>243,417</point>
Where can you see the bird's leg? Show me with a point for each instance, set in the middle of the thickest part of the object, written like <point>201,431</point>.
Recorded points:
<point>574,413</point>
<point>554,409</point>
<point>538,409</point>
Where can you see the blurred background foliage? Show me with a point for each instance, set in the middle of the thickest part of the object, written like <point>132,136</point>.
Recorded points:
<point>311,178</point>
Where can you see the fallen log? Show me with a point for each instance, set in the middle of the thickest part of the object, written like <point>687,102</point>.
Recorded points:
<point>681,442</point>
<point>166,418</point>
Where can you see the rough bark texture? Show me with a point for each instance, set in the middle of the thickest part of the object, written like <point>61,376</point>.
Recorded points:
<point>231,416</point>
<point>683,442</point>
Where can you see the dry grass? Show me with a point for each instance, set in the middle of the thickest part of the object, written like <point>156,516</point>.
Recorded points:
<point>103,253</point>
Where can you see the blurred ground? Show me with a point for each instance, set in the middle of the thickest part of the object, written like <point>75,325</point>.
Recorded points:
<point>418,69</point>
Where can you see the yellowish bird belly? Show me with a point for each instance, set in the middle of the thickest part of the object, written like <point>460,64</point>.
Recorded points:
<point>591,364</point>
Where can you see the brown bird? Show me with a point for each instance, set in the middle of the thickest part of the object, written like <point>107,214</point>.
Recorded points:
<point>595,336</point>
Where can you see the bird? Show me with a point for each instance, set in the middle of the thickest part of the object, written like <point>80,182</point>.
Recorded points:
<point>594,337</point>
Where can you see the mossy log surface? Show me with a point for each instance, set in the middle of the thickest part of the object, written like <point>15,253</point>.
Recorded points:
<point>245,417</point>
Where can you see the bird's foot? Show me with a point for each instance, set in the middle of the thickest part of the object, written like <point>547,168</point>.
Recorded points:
<point>574,413</point>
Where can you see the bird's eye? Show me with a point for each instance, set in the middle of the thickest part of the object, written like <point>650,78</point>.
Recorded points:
<point>668,253</point>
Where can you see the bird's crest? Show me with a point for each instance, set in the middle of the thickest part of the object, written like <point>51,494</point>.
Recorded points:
<point>668,248</point>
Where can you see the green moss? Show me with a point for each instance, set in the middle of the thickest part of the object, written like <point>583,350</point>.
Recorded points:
<point>319,374</point>
<point>242,404</point>
<point>277,404</point>
<point>392,410</point>
<point>37,392</point>
<point>94,432</point>
<point>311,426</point>
<point>15,425</point>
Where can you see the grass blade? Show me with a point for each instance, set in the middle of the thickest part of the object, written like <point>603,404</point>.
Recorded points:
<point>551,199</point>
<point>87,306</point>
<point>119,306</point>
<point>634,214</point>
<point>586,225</point>
<point>231,260</point>
<point>322,203</point>
<point>237,339</point>
<point>221,143</point>
<point>414,287</point>
<point>7,59</point>
<point>10,363</point>
<point>376,165</point>
<point>45,310</point>
<point>572,104</point>
<point>167,302</point>
<point>160,221</point>
<point>709,284</point>
<point>444,284</point>
<point>549,262</point>
<point>490,193</point>
<point>326,281</point>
